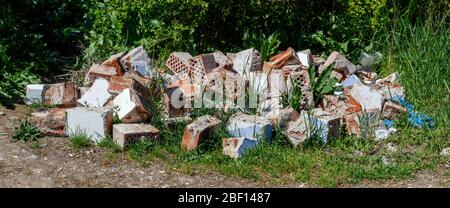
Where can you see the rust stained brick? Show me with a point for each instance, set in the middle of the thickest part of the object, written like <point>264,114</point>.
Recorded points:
<point>50,121</point>
<point>286,57</point>
<point>132,107</point>
<point>201,66</point>
<point>194,132</point>
<point>126,134</point>
<point>99,71</point>
<point>142,80</point>
<point>117,84</point>
<point>114,61</point>
<point>137,54</point>
<point>352,124</point>
<point>61,94</point>
<point>392,110</point>
<point>178,63</point>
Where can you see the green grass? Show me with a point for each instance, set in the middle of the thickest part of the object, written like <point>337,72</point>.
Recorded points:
<point>80,140</point>
<point>26,131</point>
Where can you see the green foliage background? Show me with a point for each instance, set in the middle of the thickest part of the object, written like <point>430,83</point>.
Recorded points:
<point>43,38</point>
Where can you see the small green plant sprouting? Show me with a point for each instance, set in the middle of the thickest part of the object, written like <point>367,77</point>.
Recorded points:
<point>315,130</point>
<point>368,122</point>
<point>293,98</point>
<point>26,131</point>
<point>323,84</point>
<point>80,140</point>
<point>267,46</point>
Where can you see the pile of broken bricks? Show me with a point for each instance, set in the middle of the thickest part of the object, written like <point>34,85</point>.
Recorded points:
<point>118,89</point>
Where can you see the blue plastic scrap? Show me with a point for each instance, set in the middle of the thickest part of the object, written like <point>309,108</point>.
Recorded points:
<point>388,123</point>
<point>418,120</point>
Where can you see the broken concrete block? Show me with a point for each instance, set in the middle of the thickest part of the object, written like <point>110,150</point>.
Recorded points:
<point>270,109</point>
<point>392,110</point>
<point>50,121</point>
<point>82,91</point>
<point>350,81</point>
<point>296,132</point>
<point>99,71</point>
<point>369,98</point>
<point>61,94</point>
<point>195,131</point>
<point>250,126</point>
<point>34,93</point>
<point>286,116</point>
<point>302,80</point>
<point>326,124</point>
<point>236,147</point>
<point>130,108</point>
<point>114,61</point>
<point>201,66</point>
<point>97,95</point>
<point>342,64</point>
<point>143,68</point>
<point>96,123</point>
<point>118,84</point>
<point>221,59</point>
<point>178,63</point>
<point>126,134</point>
<point>246,61</point>
<point>137,56</point>
<point>305,57</point>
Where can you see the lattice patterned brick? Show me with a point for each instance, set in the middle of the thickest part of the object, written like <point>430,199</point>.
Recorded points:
<point>302,79</point>
<point>178,63</point>
<point>201,66</point>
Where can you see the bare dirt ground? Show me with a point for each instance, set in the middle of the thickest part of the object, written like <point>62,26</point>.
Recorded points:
<point>56,165</point>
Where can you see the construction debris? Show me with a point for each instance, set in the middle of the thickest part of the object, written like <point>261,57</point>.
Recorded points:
<point>236,147</point>
<point>198,129</point>
<point>95,123</point>
<point>342,64</point>
<point>130,108</point>
<point>126,134</point>
<point>61,94</point>
<point>34,93</point>
<point>250,126</point>
<point>97,95</point>
<point>50,122</point>
<point>118,89</point>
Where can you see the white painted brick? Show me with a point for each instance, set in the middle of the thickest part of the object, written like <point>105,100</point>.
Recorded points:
<point>97,95</point>
<point>95,122</point>
<point>34,93</point>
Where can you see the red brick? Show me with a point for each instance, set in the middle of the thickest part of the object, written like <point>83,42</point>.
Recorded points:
<point>113,61</point>
<point>198,129</point>
<point>61,94</point>
<point>99,71</point>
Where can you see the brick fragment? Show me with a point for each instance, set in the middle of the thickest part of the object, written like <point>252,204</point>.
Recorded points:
<point>250,126</point>
<point>130,107</point>
<point>97,95</point>
<point>178,63</point>
<point>50,121</point>
<point>236,147</point>
<point>99,71</point>
<point>392,110</point>
<point>114,61</point>
<point>197,130</point>
<point>126,134</point>
<point>60,94</point>
<point>34,93</point>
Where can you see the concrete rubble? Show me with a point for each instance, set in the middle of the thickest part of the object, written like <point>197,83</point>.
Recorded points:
<point>96,123</point>
<point>117,90</point>
<point>127,134</point>
<point>236,147</point>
